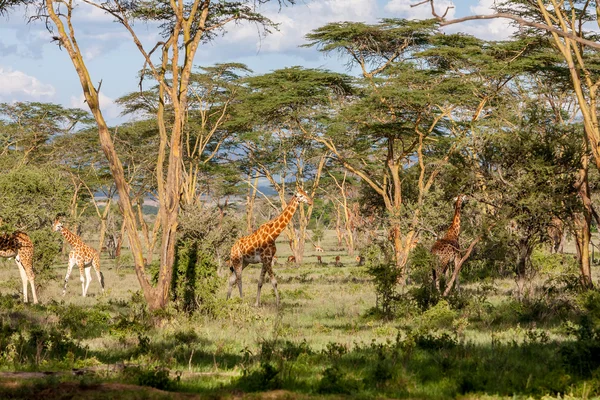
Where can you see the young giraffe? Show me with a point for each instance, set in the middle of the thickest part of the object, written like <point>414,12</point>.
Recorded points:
<point>82,255</point>
<point>447,249</point>
<point>19,245</point>
<point>259,247</point>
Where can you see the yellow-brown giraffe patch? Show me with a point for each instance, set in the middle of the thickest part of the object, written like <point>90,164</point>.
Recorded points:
<point>259,247</point>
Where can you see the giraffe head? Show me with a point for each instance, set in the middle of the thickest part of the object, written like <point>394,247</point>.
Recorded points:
<point>303,197</point>
<point>57,225</point>
<point>460,199</point>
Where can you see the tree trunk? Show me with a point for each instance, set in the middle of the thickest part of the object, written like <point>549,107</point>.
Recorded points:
<point>582,222</point>
<point>524,250</point>
<point>250,201</point>
<point>582,242</point>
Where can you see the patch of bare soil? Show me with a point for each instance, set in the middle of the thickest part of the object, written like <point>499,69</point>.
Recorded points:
<point>18,386</point>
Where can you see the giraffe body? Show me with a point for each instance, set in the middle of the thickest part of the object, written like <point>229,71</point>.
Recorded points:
<point>82,255</point>
<point>556,232</point>
<point>259,247</point>
<point>19,245</point>
<point>447,249</point>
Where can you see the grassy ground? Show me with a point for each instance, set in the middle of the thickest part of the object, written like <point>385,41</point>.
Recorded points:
<point>323,341</point>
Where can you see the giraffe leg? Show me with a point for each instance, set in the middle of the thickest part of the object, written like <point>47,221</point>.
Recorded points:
<point>32,284</point>
<point>82,279</point>
<point>27,263</point>
<point>263,270</point>
<point>232,281</point>
<point>96,264</point>
<point>23,278</point>
<point>88,279</point>
<point>238,272</point>
<point>274,283</point>
<point>72,262</point>
<point>236,277</point>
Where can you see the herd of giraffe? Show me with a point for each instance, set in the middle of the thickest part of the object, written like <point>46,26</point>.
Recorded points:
<point>18,245</point>
<point>258,247</point>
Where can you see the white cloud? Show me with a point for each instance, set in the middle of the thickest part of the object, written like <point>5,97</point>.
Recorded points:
<point>17,85</point>
<point>490,29</point>
<point>403,9</point>
<point>87,12</point>
<point>295,22</point>
<point>107,105</point>
<point>92,52</point>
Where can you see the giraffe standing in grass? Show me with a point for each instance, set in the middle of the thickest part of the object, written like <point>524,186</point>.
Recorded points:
<point>447,249</point>
<point>259,247</point>
<point>19,245</point>
<point>82,255</point>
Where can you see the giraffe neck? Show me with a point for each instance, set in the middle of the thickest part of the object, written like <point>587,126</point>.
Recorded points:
<point>454,229</point>
<point>70,237</point>
<point>277,225</point>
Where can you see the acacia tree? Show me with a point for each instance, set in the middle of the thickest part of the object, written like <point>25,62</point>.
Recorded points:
<point>414,108</point>
<point>184,24</point>
<point>30,130</point>
<point>281,111</point>
<point>565,24</point>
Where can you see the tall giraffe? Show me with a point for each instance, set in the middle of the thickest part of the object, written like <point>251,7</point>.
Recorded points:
<point>19,245</point>
<point>556,232</point>
<point>82,255</point>
<point>447,249</point>
<point>259,247</point>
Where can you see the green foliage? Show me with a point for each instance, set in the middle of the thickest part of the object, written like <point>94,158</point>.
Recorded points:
<point>205,235</point>
<point>46,247</point>
<point>265,377</point>
<point>31,199</point>
<point>158,377</point>
<point>82,322</point>
<point>195,281</point>
<point>385,278</point>
<point>336,381</point>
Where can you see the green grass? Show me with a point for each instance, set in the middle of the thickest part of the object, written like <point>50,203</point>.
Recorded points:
<point>324,340</point>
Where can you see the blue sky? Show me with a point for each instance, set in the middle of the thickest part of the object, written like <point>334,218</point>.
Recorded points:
<point>34,69</point>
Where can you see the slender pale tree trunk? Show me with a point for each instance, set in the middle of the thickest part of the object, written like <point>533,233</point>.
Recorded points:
<point>582,221</point>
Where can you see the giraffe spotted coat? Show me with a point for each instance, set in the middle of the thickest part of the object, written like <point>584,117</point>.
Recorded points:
<point>259,247</point>
<point>447,249</point>
<point>19,245</point>
<point>82,255</point>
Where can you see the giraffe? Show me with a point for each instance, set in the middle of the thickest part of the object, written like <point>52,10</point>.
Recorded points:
<point>19,245</point>
<point>447,249</point>
<point>82,255</point>
<point>259,247</point>
<point>556,231</point>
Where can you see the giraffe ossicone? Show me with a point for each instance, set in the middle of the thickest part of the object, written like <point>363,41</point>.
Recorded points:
<point>259,247</point>
<point>19,245</point>
<point>82,255</point>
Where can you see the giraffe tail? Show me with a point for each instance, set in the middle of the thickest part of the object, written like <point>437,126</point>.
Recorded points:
<point>102,280</point>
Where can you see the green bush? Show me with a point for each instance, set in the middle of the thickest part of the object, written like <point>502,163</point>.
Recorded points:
<point>385,276</point>
<point>265,377</point>
<point>204,236</point>
<point>158,377</point>
<point>195,281</point>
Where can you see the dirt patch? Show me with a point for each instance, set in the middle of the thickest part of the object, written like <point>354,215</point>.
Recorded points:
<point>19,386</point>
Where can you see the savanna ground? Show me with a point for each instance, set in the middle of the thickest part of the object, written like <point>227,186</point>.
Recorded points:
<point>326,340</point>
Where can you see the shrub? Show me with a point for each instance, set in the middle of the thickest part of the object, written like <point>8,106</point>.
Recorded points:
<point>334,380</point>
<point>385,278</point>
<point>265,377</point>
<point>158,377</point>
<point>195,279</point>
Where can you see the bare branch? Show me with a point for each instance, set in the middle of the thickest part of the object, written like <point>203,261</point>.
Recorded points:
<point>519,20</point>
